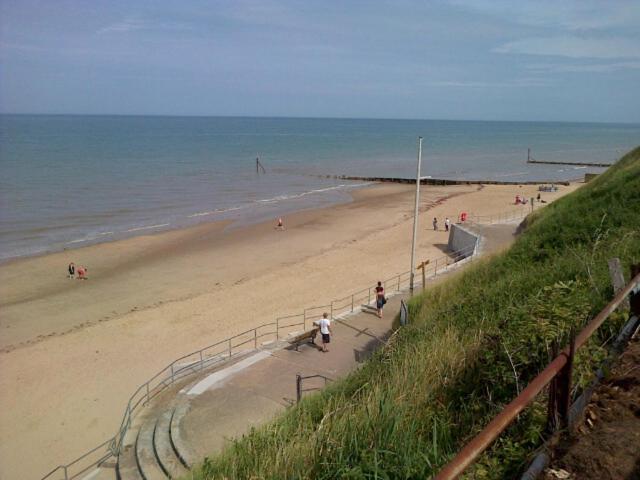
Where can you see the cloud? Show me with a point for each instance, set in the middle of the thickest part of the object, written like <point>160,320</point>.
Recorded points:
<point>22,47</point>
<point>573,47</point>
<point>262,13</point>
<point>593,68</point>
<point>131,24</point>
<point>566,15</point>
<point>517,83</point>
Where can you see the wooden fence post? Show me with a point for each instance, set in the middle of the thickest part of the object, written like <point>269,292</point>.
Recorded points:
<point>560,390</point>
<point>553,396</point>
<point>564,383</point>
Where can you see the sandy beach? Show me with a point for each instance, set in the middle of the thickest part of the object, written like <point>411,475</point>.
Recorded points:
<point>73,351</point>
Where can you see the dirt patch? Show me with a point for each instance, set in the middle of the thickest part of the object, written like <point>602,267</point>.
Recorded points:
<point>606,445</point>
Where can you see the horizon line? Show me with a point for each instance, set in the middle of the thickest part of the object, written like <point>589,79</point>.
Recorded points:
<point>305,117</point>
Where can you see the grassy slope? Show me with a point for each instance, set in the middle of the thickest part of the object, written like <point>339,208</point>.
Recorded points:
<point>474,342</point>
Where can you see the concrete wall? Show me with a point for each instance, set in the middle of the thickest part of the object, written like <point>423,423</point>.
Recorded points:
<point>462,239</point>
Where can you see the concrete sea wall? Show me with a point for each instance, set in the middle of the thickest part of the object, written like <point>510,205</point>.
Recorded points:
<point>462,240</point>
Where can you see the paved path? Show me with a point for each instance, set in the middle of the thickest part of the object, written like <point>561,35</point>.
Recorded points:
<point>250,396</point>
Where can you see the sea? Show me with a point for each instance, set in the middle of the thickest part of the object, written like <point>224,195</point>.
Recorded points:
<point>68,181</point>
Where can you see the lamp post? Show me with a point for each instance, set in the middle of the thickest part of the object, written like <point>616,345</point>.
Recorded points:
<point>415,217</point>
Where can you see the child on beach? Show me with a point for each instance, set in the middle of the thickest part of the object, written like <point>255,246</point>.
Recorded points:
<point>82,272</point>
<point>435,224</point>
<point>72,270</point>
<point>447,223</point>
<point>280,225</point>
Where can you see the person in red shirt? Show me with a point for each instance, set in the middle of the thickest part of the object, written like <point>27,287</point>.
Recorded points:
<point>82,272</point>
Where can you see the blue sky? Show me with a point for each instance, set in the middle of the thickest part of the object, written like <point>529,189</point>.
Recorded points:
<point>457,59</point>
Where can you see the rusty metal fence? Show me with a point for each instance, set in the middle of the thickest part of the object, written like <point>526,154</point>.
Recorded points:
<point>557,375</point>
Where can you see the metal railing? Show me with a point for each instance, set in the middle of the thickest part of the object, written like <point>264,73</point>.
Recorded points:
<point>351,303</point>
<point>242,343</point>
<point>501,217</point>
<point>558,372</point>
<point>300,379</point>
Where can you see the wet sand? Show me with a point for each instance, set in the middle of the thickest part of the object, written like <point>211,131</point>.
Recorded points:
<point>73,351</point>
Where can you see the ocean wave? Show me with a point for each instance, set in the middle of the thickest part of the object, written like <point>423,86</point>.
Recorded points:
<point>217,210</point>
<point>311,192</point>
<point>279,198</point>
<point>137,229</point>
<point>514,174</point>
<point>90,238</point>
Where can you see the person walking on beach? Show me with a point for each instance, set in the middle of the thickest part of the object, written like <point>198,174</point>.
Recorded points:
<point>72,270</point>
<point>435,224</point>
<point>280,225</point>
<point>380,300</point>
<point>447,224</point>
<point>325,331</point>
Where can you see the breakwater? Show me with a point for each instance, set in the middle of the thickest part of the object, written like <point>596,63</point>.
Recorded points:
<point>578,164</point>
<point>444,181</point>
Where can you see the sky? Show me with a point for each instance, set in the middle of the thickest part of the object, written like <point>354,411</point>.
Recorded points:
<point>455,59</point>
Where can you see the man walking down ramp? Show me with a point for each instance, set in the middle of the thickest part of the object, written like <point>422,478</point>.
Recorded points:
<point>325,331</point>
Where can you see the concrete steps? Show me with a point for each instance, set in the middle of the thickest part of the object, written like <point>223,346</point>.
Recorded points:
<point>154,448</point>
<point>180,445</point>
<point>165,451</point>
<point>152,455</point>
<point>127,468</point>
<point>145,453</point>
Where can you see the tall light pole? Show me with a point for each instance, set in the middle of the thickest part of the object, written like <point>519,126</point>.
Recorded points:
<point>415,217</point>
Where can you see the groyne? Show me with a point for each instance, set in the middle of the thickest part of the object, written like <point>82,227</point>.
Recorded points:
<point>578,164</point>
<point>444,181</point>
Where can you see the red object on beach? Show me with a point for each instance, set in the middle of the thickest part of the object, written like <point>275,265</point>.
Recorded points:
<point>463,217</point>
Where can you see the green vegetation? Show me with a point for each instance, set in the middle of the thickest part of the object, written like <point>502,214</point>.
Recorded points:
<point>474,342</point>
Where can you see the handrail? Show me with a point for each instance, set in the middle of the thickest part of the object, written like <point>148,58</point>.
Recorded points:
<point>480,442</point>
<point>300,378</point>
<point>168,375</point>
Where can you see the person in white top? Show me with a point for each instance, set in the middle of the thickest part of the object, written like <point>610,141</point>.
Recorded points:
<point>447,224</point>
<point>325,331</point>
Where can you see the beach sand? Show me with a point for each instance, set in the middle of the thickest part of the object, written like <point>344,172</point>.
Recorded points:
<point>73,351</point>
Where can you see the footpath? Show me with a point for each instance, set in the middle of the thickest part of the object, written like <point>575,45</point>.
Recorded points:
<point>196,417</point>
<point>230,406</point>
